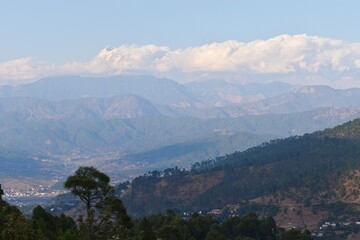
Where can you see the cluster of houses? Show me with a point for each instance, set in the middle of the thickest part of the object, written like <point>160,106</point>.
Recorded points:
<point>334,227</point>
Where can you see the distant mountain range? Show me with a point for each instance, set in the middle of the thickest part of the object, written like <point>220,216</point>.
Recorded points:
<point>129,125</point>
<point>147,123</point>
<point>219,93</point>
<point>207,99</point>
<point>98,125</point>
<point>307,98</point>
<point>157,90</point>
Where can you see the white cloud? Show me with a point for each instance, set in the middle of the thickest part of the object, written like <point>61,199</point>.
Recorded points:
<point>125,57</point>
<point>284,54</point>
<point>26,70</point>
<point>20,69</point>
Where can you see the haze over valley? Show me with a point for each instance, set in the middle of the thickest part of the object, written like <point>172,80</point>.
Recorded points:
<point>128,125</point>
<point>179,120</point>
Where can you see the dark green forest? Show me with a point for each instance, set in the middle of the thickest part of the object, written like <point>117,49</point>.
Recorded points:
<point>152,204</point>
<point>314,163</point>
<point>105,217</point>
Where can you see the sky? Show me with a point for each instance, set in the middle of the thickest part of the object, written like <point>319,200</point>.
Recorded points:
<point>41,37</point>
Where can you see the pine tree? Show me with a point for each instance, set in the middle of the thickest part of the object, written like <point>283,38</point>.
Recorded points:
<point>1,192</point>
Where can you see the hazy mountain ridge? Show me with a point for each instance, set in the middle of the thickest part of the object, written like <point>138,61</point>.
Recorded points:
<point>128,147</point>
<point>125,106</point>
<point>207,99</point>
<point>90,125</point>
<point>150,123</point>
<point>307,98</point>
<point>220,93</point>
<point>157,90</point>
<point>207,147</point>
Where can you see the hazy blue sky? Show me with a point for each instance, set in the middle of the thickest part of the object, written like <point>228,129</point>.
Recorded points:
<point>76,30</point>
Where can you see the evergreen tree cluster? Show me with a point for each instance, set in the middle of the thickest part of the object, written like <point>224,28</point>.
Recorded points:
<point>107,219</point>
<point>315,162</point>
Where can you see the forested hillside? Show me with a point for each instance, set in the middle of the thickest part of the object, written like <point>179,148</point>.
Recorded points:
<point>106,218</point>
<point>305,170</point>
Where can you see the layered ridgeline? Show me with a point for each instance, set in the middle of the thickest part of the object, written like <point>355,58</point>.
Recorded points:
<point>206,99</point>
<point>79,132</point>
<point>132,124</point>
<point>132,114</point>
<point>299,175</point>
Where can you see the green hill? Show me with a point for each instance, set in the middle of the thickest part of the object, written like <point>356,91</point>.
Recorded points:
<point>301,171</point>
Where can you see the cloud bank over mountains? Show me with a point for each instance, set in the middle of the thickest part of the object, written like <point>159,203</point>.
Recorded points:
<point>298,59</point>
